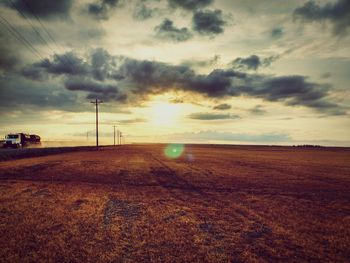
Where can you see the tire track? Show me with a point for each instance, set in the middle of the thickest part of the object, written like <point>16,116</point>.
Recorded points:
<point>257,231</point>
<point>168,179</point>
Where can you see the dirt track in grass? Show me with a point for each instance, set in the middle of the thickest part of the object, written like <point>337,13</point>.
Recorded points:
<point>213,204</point>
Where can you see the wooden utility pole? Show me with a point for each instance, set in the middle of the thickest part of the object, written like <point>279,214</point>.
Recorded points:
<point>96,102</point>
<point>114,135</point>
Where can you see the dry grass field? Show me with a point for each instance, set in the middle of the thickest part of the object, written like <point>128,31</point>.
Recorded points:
<point>212,204</point>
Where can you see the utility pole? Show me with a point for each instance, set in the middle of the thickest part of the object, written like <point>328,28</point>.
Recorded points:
<point>96,102</point>
<point>114,135</point>
<point>121,138</point>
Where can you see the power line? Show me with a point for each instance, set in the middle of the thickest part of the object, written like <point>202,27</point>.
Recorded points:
<point>46,31</point>
<point>13,31</point>
<point>41,24</point>
<point>43,40</point>
<point>26,42</point>
<point>30,23</point>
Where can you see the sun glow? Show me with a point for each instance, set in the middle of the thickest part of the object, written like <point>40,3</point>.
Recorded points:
<point>163,113</point>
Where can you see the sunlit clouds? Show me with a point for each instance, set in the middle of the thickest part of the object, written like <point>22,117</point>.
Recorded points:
<point>177,71</point>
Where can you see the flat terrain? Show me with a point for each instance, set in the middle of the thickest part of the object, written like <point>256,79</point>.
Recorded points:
<point>13,153</point>
<point>213,204</point>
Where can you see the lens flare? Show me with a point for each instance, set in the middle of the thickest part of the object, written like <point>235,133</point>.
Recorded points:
<point>174,150</point>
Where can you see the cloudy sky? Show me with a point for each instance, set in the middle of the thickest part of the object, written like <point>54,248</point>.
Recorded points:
<point>216,71</point>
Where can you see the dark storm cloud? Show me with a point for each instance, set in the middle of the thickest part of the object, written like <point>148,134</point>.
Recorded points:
<point>277,32</point>
<point>143,12</point>
<point>101,63</point>
<point>191,5</point>
<point>208,22</point>
<point>18,93</point>
<point>211,116</point>
<point>155,77</point>
<point>145,76</point>
<point>138,79</point>
<point>33,73</point>
<point>223,106</point>
<point>42,8</point>
<point>338,14</point>
<point>167,30</point>
<point>323,106</point>
<point>150,77</point>
<point>100,10</point>
<point>296,90</point>
<point>294,87</point>
<point>253,62</point>
<point>8,59</point>
<point>96,90</point>
<point>68,63</point>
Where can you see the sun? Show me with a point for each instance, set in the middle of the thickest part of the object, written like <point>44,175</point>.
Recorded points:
<point>164,113</point>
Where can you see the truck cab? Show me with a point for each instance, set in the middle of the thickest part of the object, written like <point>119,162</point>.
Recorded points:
<point>13,140</point>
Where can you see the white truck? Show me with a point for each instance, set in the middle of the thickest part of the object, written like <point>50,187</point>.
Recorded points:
<point>17,140</point>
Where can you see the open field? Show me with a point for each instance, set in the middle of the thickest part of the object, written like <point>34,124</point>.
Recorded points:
<point>213,204</point>
<point>12,153</point>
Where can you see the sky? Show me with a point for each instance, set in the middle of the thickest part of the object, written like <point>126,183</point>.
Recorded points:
<point>200,71</point>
